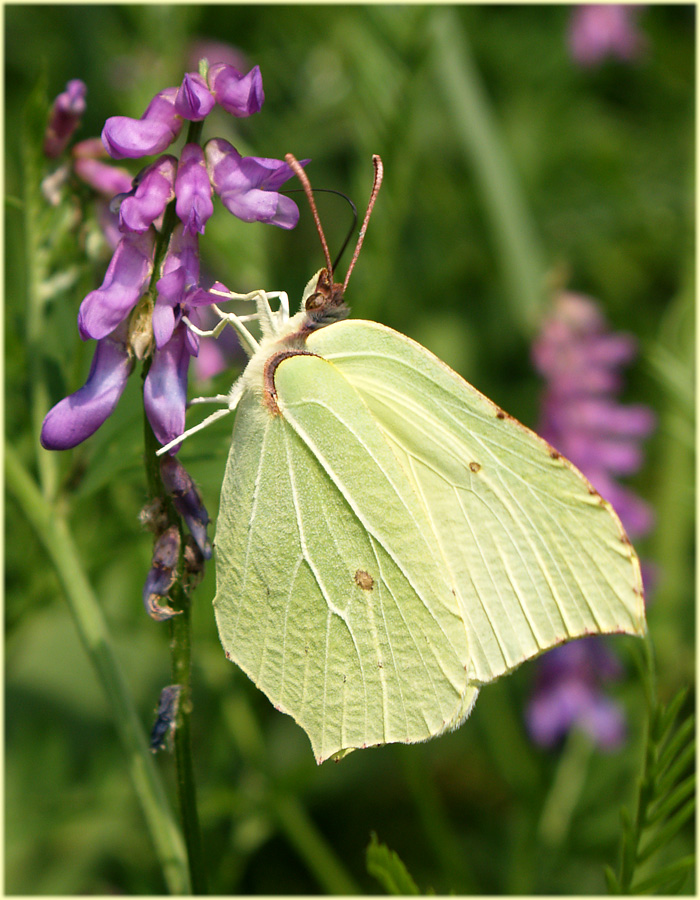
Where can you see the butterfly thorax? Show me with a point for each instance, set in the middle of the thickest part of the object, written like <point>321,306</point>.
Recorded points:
<point>322,304</point>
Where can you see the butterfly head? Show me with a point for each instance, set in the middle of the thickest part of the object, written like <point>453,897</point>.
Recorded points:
<point>323,301</point>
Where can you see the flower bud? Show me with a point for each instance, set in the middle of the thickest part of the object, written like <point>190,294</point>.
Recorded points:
<point>64,118</point>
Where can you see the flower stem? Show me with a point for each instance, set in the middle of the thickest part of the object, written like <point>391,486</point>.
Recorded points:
<point>54,532</point>
<point>187,798</point>
<point>181,663</point>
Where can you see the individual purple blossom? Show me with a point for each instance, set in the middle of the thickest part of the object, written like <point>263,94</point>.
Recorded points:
<point>193,189</point>
<point>240,95</point>
<point>127,278</point>
<point>158,127</point>
<point>165,387</point>
<point>194,99</point>
<point>64,117</point>
<point>597,32</point>
<point>248,186</point>
<point>153,189</point>
<point>107,180</point>
<point>177,286</point>
<point>79,415</point>
<point>569,693</point>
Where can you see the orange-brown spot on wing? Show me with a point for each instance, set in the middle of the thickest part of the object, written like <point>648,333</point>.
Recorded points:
<point>475,466</point>
<point>364,580</point>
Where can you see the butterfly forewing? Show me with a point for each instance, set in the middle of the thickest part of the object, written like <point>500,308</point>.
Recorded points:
<point>535,555</point>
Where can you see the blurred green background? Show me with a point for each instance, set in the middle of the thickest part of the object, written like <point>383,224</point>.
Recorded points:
<point>598,176</point>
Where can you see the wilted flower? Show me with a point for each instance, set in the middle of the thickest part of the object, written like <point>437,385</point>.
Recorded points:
<point>178,483</point>
<point>600,31</point>
<point>162,575</point>
<point>164,725</point>
<point>581,361</point>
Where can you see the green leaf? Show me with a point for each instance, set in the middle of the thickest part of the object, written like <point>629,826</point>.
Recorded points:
<point>386,866</point>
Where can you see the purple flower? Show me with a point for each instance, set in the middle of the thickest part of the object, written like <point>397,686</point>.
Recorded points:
<point>569,694</point>
<point>78,416</point>
<point>126,138</point>
<point>193,189</point>
<point>127,278</point>
<point>580,416</point>
<point>165,387</point>
<point>176,285</point>
<point>194,99</point>
<point>248,185</point>
<point>64,117</point>
<point>600,31</point>
<point>122,314</point>
<point>582,362</point>
<point>105,179</point>
<point>240,95</point>
<point>153,189</point>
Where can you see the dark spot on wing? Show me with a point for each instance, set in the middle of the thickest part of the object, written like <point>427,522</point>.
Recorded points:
<point>475,466</point>
<point>364,580</point>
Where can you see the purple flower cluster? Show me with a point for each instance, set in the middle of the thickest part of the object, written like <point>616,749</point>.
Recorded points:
<point>581,362</point>
<point>597,32</point>
<point>152,281</point>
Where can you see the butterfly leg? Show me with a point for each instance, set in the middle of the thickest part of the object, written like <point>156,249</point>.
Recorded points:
<point>230,402</point>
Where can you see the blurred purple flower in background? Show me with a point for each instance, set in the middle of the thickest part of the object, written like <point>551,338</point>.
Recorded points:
<point>598,32</point>
<point>64,117</point>
<point>581,361</point>
<point>569,693</point>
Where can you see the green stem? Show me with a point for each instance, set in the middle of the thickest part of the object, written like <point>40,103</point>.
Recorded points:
<point>518,247</point>
<point>186,792</point>
<point>35,257</point>
<point>181,663</point>
<point>437,829</point>
<point>54,533</point>
<point>305,837</point>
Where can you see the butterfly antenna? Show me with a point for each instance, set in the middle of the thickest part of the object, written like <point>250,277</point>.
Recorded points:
<point>378,175</point>
<point>295,166</point>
